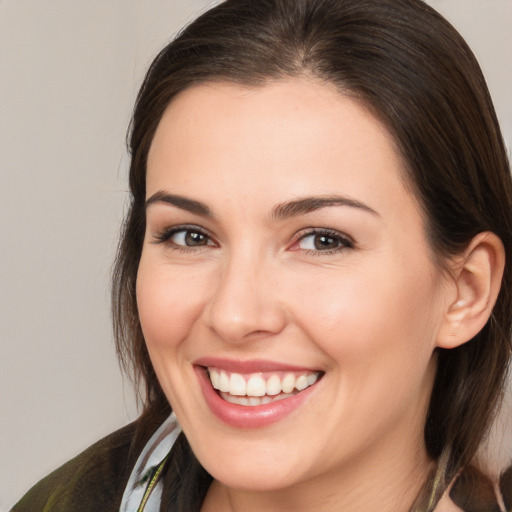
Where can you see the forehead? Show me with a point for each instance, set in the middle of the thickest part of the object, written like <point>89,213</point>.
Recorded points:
<point>288,138</point>
<point>297,107</point>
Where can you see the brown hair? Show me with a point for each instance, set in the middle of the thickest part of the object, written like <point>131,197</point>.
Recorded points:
<point>413,71</point>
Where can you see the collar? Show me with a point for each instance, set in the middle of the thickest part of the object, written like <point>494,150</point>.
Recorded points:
<point>155,451</point>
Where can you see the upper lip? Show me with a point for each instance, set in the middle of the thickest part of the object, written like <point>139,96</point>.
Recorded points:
<point>248,366</point>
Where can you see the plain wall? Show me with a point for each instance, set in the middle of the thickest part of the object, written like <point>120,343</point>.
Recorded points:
<point>69,72</point>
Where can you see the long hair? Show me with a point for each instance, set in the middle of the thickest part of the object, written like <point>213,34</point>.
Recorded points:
<point>412,70</point>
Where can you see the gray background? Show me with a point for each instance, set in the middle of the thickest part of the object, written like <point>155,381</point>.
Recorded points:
<point>69,72</point>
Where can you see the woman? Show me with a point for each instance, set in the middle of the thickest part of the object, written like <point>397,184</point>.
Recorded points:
<point>314,273</point>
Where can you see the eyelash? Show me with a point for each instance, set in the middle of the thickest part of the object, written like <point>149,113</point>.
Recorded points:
<point>164,237</point>
<point>344,242</point>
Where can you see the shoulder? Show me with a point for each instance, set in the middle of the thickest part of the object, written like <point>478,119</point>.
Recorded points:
<point>475,491</point>
<point>99,473</point>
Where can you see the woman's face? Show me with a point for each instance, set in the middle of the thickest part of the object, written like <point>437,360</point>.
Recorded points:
<point>283,253</point>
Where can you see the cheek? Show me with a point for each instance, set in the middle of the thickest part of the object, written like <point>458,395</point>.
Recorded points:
<point>167,303</point>
<point>369,318</point>
<point>379,336</point>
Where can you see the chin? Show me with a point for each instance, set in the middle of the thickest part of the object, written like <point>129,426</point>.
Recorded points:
<point>245,477</point>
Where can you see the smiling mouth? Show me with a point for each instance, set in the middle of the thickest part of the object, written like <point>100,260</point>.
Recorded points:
<point>260,388</point>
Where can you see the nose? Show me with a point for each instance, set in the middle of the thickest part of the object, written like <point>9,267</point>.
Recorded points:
<point>245,302</point>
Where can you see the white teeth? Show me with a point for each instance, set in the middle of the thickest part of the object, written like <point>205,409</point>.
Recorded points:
<point>214,377</point>
<point>273,385</point>
<point>259,388</point>
<point>253,400</point>
<point>223,382</point>
<point>282,396</point>
<point>256,386</point>
<point>237,385</point>
<point>239,400</point>
<point>301,383</point>
<point>288,383</point>
<point>312,378</point>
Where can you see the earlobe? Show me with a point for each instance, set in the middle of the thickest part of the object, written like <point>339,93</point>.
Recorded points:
<point>477,273</point>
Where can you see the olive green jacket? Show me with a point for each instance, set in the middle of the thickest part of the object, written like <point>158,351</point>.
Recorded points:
<point>93,481</point>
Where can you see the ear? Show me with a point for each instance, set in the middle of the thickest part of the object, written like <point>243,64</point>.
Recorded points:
<point>477,275</point>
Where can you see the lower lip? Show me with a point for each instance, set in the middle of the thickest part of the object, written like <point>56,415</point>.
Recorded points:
<point>255,416</point>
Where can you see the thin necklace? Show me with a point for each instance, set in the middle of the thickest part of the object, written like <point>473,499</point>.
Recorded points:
<point>152,483</point>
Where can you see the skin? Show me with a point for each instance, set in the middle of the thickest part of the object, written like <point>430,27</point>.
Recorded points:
<point>367,313</point>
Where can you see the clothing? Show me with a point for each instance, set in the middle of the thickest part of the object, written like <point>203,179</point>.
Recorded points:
<point>155,451</point>
<point>106,477</point>
<point>94,480</point>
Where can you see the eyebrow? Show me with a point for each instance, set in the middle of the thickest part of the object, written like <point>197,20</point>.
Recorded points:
<point>181,202</point>
<point>282,211</point>
<point>310,204</point>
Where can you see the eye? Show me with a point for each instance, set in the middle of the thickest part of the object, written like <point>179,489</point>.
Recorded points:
<point>184,237</point>
<point>325,241</point>
<point>189,238</point>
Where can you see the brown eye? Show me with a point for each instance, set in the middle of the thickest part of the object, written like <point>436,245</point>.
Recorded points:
<point>324,241</point>
<point>192,238</point>
<point>184,237</point>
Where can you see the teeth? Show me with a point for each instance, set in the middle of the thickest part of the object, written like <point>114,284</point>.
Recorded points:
<point>215,378</point>
<point>223,382</point>
<point>259,388</point>
<point>288,383</point>
<point>301,383</point>
<point>312,378</point>
<point>249,401</point>
<point>237,385</point>
<point>256,386</point>
<point>273,385</point>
